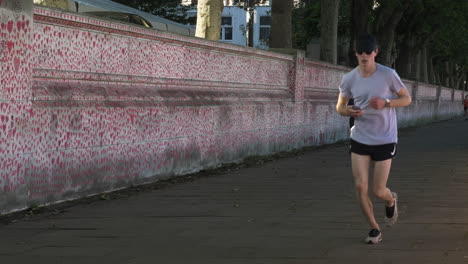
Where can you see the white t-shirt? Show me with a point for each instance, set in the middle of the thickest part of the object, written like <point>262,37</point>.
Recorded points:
<point>374,127</point>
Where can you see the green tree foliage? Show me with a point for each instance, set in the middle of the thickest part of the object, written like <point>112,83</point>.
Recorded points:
<point>438,28</point>
<point>169,9</point>
<point>421,38</point>
<point>148,5</point>
<point>306,24</point>
<point>306,21</point>
<point>450,38</point>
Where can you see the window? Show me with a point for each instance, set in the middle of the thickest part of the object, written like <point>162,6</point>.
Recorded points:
<point>265,23</point>
<point>231,2</point>
<point>226,28</point>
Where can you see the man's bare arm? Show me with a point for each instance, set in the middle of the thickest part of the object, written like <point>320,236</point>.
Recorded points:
<point>404,99</point>
<point>344,109</point>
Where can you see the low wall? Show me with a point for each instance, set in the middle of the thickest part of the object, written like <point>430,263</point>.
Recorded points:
<point>88,106</point>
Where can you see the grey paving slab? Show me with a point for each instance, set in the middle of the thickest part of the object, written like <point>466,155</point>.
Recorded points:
<point>297,209</point>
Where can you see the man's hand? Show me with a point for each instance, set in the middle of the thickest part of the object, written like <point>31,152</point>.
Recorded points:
<point>354,111</point>
<point>377,103</point>
<point>344,109</point>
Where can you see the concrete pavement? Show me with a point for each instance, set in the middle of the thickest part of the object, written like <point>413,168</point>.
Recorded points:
<point>297,209</point>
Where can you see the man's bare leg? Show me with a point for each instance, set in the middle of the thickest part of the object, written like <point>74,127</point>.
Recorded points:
<point>380,178</point>
<point>360,166</point>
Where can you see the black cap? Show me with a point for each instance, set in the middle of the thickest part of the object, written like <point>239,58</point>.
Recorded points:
<point>366,43</point>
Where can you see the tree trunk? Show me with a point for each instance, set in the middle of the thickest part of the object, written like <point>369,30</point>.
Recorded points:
<point>250,23</point>
<point>416,73</point>
<point>209,19</point>
<point>424,65</point>
<point>281,24</point>
<point>329,30</point>
<point>386,32</point>
<point>359,21</point>
<point>452,75</point>
<point>430,69</point>
<point>437,78</point>
<point>447,74</point>
<point>386,42</point>
<point>403,62</point>
<point>461,78</point>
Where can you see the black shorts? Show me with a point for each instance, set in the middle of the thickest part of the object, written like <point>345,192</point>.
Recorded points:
<point>376,153</point>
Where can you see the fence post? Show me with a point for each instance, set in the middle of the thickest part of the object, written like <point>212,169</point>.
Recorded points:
<point>298,77</point>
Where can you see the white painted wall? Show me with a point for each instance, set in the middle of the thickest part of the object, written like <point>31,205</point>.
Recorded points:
<point>259,12</point>
<point>239,25</point>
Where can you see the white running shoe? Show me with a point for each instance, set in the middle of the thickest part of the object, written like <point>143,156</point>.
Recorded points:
<point>374,237</point>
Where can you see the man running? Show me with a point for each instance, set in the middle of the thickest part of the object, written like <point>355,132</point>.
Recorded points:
<point>377,90</point>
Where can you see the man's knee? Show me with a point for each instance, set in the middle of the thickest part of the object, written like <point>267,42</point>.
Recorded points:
<point>380,192</point>
<point>361,188</point>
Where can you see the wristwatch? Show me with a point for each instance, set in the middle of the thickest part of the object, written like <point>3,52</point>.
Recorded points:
<point>387,102</point>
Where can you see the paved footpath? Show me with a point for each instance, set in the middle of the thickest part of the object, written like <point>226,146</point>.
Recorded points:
<point>296,209</point>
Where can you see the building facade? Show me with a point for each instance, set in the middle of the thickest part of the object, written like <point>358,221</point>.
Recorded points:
<point>235,22</point>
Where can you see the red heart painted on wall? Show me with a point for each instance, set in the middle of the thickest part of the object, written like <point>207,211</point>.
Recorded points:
<point>17,63</point>
<point>10,26</point>
<point>10,45</point>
